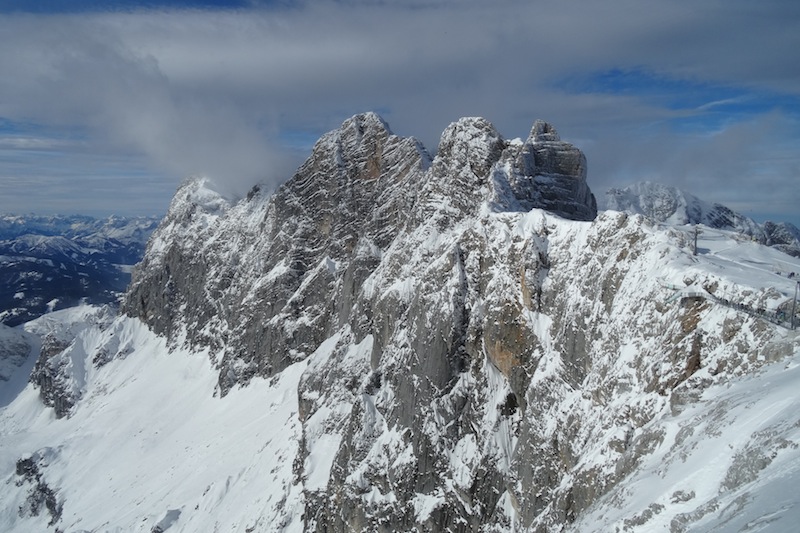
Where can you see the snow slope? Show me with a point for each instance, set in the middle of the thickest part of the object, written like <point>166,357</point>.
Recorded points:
<point>150,444</point>
<point>729,462</point>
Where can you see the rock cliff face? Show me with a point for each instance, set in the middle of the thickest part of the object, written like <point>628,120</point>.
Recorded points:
<point>282,273</point>
<point>470,340</point>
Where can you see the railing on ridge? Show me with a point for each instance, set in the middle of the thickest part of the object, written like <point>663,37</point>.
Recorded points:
<point>779,317</point>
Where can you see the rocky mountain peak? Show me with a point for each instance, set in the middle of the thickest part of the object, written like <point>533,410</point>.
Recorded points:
<point>458,180</point>
<point>197,194</point>
<point>472,143</point>
<point>358,182</point>
<point>368,125</point>
<point>358,142</point>
<point>545,153</point>
<point>543,131</point>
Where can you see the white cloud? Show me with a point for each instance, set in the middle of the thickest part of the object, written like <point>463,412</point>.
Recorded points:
<point>213,92</point>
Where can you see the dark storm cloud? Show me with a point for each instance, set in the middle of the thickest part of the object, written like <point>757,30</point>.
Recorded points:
<point>230,93</point>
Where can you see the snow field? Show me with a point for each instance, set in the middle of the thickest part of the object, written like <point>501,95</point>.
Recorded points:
<point>149,442</point>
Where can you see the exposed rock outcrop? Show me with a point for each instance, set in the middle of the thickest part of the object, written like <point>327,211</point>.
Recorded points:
<point>51,375</point>
<point>464,348</point>
<point>41,497</point>
<point>559,173</point>
<point>60,371</point>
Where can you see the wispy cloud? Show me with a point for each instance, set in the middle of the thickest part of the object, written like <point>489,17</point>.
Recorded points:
<point>648,89</point>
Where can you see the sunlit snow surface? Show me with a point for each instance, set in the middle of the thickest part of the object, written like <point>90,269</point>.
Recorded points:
<point>149,438</point>
<point>149,444</point>
<point>689,482</point>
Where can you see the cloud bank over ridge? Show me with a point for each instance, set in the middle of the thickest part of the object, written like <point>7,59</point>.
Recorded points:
<point>648,90</point>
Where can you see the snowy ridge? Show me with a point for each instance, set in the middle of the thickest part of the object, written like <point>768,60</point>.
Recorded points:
<point>394,343</point>
<point>670,205</point>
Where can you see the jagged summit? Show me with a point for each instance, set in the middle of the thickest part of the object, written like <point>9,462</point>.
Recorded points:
<point>543,132</point>
<point>367,124</point>
<point>471,142</point>
<point>359,132</point>
<point>473,165</point>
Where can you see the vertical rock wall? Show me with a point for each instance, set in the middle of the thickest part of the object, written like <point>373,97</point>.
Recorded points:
<point>465,349</point>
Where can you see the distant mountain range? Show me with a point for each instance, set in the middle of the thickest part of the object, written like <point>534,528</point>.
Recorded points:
<point>53,262</point>
<point>670,205</point>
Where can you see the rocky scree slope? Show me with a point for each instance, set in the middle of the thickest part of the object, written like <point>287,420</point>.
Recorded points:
<point>480,351</point>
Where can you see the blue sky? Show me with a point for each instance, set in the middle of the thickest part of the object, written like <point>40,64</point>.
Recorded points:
<point>106,106</point>
<point>710,104</point>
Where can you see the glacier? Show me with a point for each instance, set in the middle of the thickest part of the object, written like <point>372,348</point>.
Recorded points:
<point>394,341</point>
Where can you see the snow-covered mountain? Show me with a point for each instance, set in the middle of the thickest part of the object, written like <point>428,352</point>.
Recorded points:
<point>120,239</point>
<point>783,236</point>
<point>394,342</point>
<point>53,262</point>
<point>671,205</point>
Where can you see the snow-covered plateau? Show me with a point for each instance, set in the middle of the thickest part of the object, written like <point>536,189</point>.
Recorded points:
<point>398,342</point>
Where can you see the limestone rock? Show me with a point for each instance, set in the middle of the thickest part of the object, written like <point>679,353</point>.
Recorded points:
<point>449,328</point>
